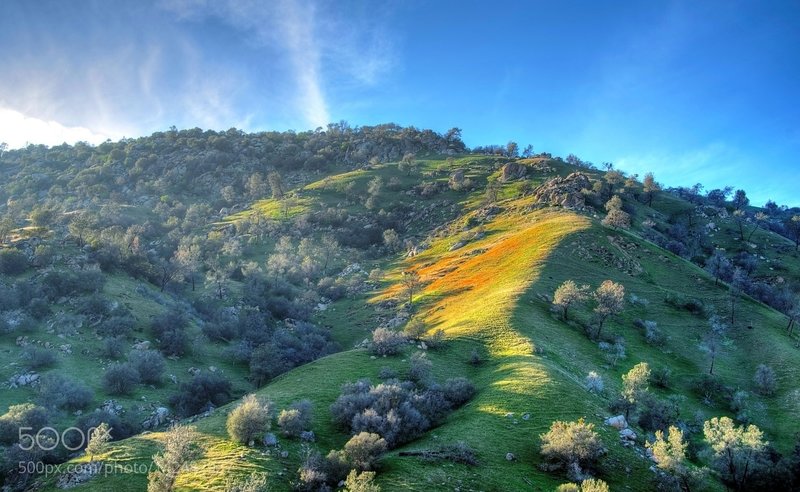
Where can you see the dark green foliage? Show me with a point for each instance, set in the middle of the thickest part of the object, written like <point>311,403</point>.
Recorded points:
<point>296,418</point>
<point>170,331</point>
<point>694,306</point>
<point>116,326</point>
<point>39,308</point>
<point>57,283</point>
<point>204,391</point>
<point>397,411</point>
<point>12,261</point>
<point>114,348</point>
<point>120,379</point>
<point>289,347</point>
<point>63,393</point>
<point>36,358</point>
<point>23,415</point>
<point>149,364</point>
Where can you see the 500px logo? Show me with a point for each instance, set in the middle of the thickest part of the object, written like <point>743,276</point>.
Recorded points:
<point>48,438</point>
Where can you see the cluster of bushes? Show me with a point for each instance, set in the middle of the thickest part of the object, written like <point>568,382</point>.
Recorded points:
<point>143,366</point>
<point>395,410</point>
<point>12,261</point>
<point>205,391</point>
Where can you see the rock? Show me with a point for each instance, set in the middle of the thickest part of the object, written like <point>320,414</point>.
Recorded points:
<point>307,436</point>
<point>112,407</point>
<point>145,345</point>
<point>627,435</point>
<point>510,457</point>
<point>213,369</point>
<point>512,171</point>
<point>617,422</point>
<point>510,415</point>
<point>78,474</point>
<point>565,192</point>
<point>156,419</point>
<point>193,371</point>
<point>526,416</point>
<point>284,454</point>
<point>27,379</point>
<point>459,244</point>
<point>270,439</point>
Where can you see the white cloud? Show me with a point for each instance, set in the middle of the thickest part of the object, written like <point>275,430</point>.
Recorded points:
<point>17,130</point>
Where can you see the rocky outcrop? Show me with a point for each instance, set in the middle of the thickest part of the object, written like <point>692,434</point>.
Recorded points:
<point>512,171</point>
<point>565,192</point>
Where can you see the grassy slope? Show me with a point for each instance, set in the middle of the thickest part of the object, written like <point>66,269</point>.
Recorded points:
<point>484,296</point>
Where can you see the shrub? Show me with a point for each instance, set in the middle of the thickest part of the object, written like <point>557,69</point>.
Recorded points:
<point>765,380</point>
<point>23,415</point>
<point>436,341</point>
<point>205,390</point>
<point>694,306</point>
<point>475,357</point>
<point>39,308</point>
<point>458,391</point>
<point>657,415</point>
<point>660,376</point>
<point>57,391</point>
<point>120,379</point>
<point>594,382</point>
<point>571,444</point>
<point>36,358</point>
<point>113,348</point>
<point>248,420</point>
<point>415,329</point>
<point>295,419</point>
<point>170,330</point>
<point>149,363</point>
<point>93,306</point>
<point>420,368</point>
<point>12,261</point>
<point>387,373</point>
<point>364,449</point>
<point>361,482</point>
<point>386,342</point>
<point>711,389</point>
<point>116,326</point>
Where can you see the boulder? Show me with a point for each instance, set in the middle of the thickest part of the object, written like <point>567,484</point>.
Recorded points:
<point>156,419</point>
<point>565,192</point>
<point>617,422</point>
<point>144,345</point>
<point>510,457</point>
<point>627,435</point>
<point>512,171</point>
<point>270,439</point>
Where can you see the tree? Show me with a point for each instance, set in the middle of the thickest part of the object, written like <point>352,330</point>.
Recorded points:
<point>669,453</point>
<point>180,450</point>
<point>571,444</point>
<point>528,151</point>
<point>613,178</point>
<point>79,226</point>
<point>740,199</point>
<point>719,266</point>
<point>740,217</point>
<point>99,438</point>
<point>650,188</point>
<point>567,294</point>
<point>408,164</point>
<point>712,343</point>
<point>735,289</point>
<point>249,420</point>
<point>411,284</point>
<point>276,185</point>
<point>188,256</point>
<point>616,217</point>
<point>330,249</point>
<point>634,385</point>
<point>765,380</point>
<point>610,299</point>
<point>792,226</point>
<point>256,187</point>
<point>512,149</point>
<point>758,219</point>
<point>737,450</point>
<point>7,225</point>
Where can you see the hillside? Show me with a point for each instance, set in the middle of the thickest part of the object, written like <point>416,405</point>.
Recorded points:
<point>490,246</point>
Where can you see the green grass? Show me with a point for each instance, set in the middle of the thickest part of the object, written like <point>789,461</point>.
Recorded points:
<point>490,295</point>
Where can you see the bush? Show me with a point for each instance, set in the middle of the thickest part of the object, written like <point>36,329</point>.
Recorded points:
<point>295,419</point>
<point>12,261</point>
<point>660,376</point>
<point>23,415</point>
<point>387,373</point>
<point>39,308</point>
<point>594,382</point>
<point>120,379</point>
<point>170,330</point>
<point>36,358</point>
<point>364,449</point>
<point>694,306</point>
<point>765,380</point>
<point>249,420</point>
<point>206,390</point>
<point>57,391</point>
<point>386,342</point>
<point>113,348</point>
<point>361,482</point>
<point>116,326</point>
<point>420,368</point>
<point>458,391</point>
<point>711,389</point>
<point>571,444</point>
<point>149,364</point>
<point>657,415</point>
<point>436,341</point>
<point>93,306</point>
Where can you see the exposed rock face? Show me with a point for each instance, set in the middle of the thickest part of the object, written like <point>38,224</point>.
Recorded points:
<point>512,171</point>
<point>156,419</point>
<point>80,474</point>
<point>564,192</point>
<point>28,379</point>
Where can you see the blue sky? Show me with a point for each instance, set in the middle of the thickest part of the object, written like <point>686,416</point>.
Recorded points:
<point>693,91</point>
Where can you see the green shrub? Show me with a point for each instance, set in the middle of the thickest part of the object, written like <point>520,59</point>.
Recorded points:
<point>249,420</point>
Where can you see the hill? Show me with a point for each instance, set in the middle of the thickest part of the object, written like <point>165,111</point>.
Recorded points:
<point>326,259</point>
